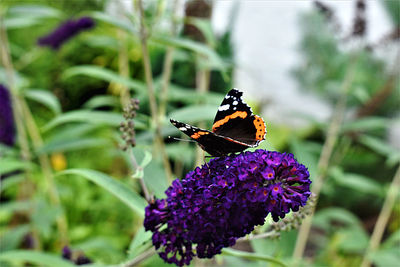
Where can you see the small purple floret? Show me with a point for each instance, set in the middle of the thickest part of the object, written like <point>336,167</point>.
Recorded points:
<point>224,200</point>
<point>65,31</point>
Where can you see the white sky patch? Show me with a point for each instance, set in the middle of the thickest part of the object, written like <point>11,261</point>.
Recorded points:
<point>223,107</point>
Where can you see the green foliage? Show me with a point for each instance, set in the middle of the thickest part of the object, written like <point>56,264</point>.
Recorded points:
<point>74,95</point>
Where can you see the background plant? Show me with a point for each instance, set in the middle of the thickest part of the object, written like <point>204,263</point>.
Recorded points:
<point>67,182</point>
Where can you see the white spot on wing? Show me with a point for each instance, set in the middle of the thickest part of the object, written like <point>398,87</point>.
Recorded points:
<point>182,129</point>
<point>223,107</point>
<point>235,103</point>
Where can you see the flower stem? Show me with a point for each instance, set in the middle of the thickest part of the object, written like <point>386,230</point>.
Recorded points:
<point>47,172</point>
<point>323,163</point>
<point>123,67</point>
<point>168,64</point>
<point>137,167</point>
<point>202,82</point>
<point>251,256</point>
<point>152,99</point>
<point>271,233</point>
<point>134,262</point>
<point>383,218</point>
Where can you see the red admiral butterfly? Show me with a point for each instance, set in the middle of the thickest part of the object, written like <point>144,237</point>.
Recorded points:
<point>235,128</point>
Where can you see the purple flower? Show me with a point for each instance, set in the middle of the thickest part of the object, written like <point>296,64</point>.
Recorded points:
<point>7,128</point>
<point>224,200</point>
<point>65,31</point>
<point>76,257</point>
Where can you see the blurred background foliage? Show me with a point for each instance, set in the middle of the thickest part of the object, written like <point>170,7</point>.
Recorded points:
<point>74,95</point>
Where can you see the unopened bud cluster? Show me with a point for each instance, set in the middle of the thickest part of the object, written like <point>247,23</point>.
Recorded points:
<point>294,221</point>
<point>127,127</point>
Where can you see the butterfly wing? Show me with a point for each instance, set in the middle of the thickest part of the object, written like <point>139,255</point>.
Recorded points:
<point>212,143</point>
<point>236,120</point>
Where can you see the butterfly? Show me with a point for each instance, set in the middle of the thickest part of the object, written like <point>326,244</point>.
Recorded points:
<point>235,128</point>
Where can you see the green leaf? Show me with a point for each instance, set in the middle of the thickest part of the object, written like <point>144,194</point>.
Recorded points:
<point>116,21</point>
<point>352,240</point>
<point>251,256</point>
<point>386,257</point>
<point>73,145</point>
<point>93,117</point>
<point>366,124</point>
<point>10,181</point>
<point>146,160</point>
<point>101,41</point>
<point>18,23</point>
<point>35,257</point>
<point>188,95</point>
<point>105,75</point>
<point>12,238</point>
<point>192,114</point>
<point>44,216</point>
<point>213,60</point>
<point>382,148</point>
<point>16,206</point>
<point>393,240</point>
<point>44,97</point>
<point>357,182</point>
<point>324,218</point>
<point>155,179</point>
<point>9,165</point>
<point>101,101</point>
<point>139,243</point>
<point>34,11</point>
<point>118,189</point>
<point>204,25</point>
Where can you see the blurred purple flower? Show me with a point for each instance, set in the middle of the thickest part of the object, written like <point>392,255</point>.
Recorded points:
<point>224,200</point>
<point>76,257</point>
<point>7,128</point>
<point>65,31</point>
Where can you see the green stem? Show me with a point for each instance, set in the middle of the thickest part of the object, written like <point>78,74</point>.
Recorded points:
<point>123,66</point>
<point>159,142</point>
<point>251,256</point>
<point>202,82</point>
<point>323,163</point>
<point>45,165</point>
<point>271,233</point>
<point>134,262</point>
<point>168,64</point>
<point>383,219</point>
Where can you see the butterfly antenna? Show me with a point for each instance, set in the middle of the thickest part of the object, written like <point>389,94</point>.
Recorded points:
<point>180,139</point>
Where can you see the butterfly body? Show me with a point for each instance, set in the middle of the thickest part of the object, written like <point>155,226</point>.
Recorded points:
<point>235,128</point>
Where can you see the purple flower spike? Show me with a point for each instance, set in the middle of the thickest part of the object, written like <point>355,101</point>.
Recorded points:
<point>224,200</point>
<point>65,31</point>
<point>7,126</point>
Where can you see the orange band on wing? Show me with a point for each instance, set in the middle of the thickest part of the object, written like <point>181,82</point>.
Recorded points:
<point>198,134</point>
<point>260,126</point>
<point>241,114</point>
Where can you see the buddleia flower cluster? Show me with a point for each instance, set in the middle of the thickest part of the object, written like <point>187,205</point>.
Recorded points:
<point>7,126</point>
<point>66,31</point>
<point>224,200</point>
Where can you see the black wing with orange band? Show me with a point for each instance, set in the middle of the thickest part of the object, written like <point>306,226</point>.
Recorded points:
<point>236,120</point>
<point>210,142</point>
